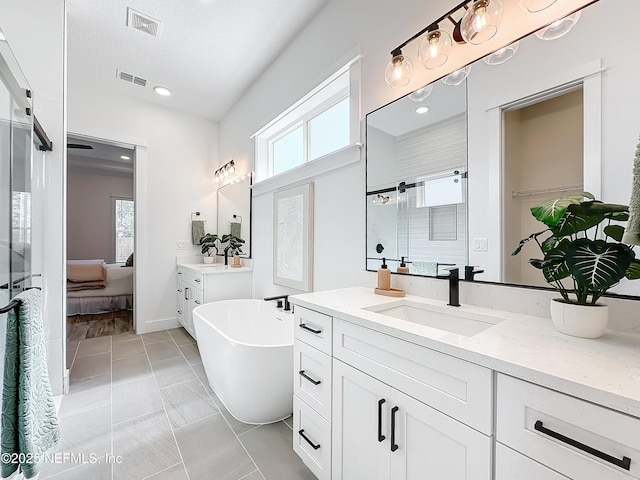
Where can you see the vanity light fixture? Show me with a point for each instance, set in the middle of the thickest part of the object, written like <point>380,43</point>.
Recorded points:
<point>435,47</point>
<point>422,93</point>
<point>125,157</point>
<point>422,109</point>
<point>481,21</point>
<point>502,55</point>
<point>559,28</point>
<point>399,70</point>
<point>162,91</point>
<point>226,171</point>
<point>457,77</point>
<point>535,6</point>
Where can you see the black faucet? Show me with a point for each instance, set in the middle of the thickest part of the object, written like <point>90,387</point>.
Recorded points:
<point>470,273</point>
<point>280,298</point>
<point>454,286</point>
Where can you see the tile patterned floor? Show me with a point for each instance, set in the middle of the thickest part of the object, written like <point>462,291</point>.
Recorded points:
<point>146,399</point>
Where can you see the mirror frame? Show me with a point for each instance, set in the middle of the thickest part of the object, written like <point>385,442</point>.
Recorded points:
<point>247,255</point>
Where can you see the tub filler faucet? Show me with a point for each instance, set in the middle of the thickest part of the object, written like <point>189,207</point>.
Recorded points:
<point>280,298</point>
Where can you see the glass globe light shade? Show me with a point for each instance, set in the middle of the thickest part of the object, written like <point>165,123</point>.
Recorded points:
<point>559,28</point>
<point>457,77</point>
<point>481,22</point>
<point>399,71</point>
<point>232,169</point>
<point>535,6</point>
<point>434,49</point>
<point>217,178</point>
<point>502,55</point>
<point>421,93</point>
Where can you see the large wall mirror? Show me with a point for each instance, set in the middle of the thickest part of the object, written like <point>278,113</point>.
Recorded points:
<point>234,212</point>
<point>453,169</point>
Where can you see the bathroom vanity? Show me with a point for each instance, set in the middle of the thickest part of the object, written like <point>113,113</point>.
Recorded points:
<point>412,388</point>
<point>200,283</point>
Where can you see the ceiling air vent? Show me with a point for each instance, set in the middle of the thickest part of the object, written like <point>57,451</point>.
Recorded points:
<point>127,77</point>
<point>144,23</point>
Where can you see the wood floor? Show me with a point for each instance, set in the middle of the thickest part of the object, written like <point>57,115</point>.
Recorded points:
<point>80,327</point>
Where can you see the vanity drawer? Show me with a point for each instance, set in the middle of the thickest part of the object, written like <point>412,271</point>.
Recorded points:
<point>315,449</point>
<point>193,277</point>
<point>313,328</point>
<point>574,437</point>
<point>312,378</point>
<point>512,465</point>
<point>455,387</point>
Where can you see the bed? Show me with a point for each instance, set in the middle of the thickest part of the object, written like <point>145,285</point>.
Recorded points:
<point>115,296</point>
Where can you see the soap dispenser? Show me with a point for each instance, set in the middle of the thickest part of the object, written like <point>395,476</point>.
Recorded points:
<point>384,276</point>
<point>403,267</point>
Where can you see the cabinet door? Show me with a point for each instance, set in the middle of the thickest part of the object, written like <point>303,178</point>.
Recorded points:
<point>181,304</point>
<point>195,300</point>
<point>357,450</point>
<point>433,445</point>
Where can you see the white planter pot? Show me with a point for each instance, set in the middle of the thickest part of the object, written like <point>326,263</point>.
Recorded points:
<point>209,259</point>
<point>585,321</point>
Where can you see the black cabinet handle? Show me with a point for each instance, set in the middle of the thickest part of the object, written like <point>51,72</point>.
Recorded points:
<point>198,280</point>
<point>381,437</point>
<point>312,330</point>
<point>394,447</point>
<point>314,446</point>
<point>624,463</point>
<point>307,377</point>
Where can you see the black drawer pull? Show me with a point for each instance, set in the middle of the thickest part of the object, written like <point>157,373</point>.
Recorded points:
<point>624,463</point>
<point>381,437</point>
<point>307,377</point>
<point>314,446</point>
<point>394,447</point>
<point>312,330</point>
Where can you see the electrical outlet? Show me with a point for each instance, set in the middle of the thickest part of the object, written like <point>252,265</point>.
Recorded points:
<point>184,245</point>
<point>480,244</point>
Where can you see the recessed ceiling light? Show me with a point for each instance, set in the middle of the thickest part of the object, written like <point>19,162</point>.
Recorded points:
<point>163,91</point>
<point>125,157</point>
<point>422,109</point>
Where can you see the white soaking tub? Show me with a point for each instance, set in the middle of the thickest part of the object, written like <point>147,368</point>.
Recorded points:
<point>247,352</point>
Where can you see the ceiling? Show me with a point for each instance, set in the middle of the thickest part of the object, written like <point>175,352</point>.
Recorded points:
<point>102,158</point>
<point>208,51</point>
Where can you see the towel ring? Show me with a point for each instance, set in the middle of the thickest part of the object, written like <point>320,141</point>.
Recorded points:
<point>195,214</point>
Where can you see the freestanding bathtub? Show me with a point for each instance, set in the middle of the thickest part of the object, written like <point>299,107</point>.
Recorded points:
<point>247,352</point>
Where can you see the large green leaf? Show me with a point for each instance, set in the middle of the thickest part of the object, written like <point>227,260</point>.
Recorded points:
<point>549,244</point>
<point>597,265</point>
<point>596,207</point>
<point>555,267</point>
<point>633,272</point>
<point>577,219</point>
<point>550,212</point>
<point>614,231</point>
<point>524,241</point>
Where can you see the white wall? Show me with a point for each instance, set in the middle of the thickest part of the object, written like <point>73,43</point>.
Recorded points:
<point>90,232</point>
<point>181,157</point>
<point>35,30</point>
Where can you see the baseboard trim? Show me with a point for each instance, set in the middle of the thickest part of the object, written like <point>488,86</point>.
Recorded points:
<point>157,325</point>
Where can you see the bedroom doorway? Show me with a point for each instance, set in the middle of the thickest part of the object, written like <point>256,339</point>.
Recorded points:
<point>100,238</point>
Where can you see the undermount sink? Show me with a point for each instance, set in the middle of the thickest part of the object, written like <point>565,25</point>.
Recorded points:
<point>450,319</point>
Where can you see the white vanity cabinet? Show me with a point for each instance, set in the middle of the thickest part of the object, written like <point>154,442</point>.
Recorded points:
<point>199,285</point>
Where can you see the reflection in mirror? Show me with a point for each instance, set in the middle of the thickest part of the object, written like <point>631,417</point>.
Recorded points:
<point>416,182</point>
<point>234,212</point>
<point>560,116</point>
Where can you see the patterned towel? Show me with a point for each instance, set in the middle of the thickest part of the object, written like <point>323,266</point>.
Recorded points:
<point>236,229</point>
<point>632,232</point>
<point>29,421</point>
<point>197,231</point>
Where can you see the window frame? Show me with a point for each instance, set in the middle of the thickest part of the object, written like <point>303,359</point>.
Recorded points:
<point>114,230</point>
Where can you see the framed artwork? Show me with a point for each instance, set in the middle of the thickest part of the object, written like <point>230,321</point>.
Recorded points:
<point>293,237</point>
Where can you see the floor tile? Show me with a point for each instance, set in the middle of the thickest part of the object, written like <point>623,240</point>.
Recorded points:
<point>237,426</point>
<point>162,351</point>
<point>174,473</point>
<point>254,476</point>
<point>71,354</point>
<point>72,344</point>
<point>187,402</point>
<point>87,393</point>
<point>123,337</point>
<point>130,369</point>
<point>88,471</point>
<point>90,366</point>
<point>128,348</point>
<point>155,337</point>
<point>198,369</point>
<point>270,446</point>
<point>133,399</point>
<point>172,371</point>
<point>181,336</point>
<point>87,433</point>
<point>191,353</point>
<point>156,452</point>
<point>94,345</point>
<point>211,451</point>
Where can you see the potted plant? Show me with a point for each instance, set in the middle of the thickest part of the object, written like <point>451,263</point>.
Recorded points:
<point>209,244</point>
<point>582,258</point>
<point>233,247</point>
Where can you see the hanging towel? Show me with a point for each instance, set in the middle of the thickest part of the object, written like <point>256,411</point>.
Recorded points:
<point>236,229</point>
<point>29,421</point>
<point>632,232</point>
<point>197,231</point>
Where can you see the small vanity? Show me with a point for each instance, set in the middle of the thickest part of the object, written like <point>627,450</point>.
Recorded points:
<point>412,388</point>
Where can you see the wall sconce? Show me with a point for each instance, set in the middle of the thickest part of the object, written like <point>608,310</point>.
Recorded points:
<point>479,24</point>
<point>227,170</point>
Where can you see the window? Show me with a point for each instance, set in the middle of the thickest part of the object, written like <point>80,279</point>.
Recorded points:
<point>124,228</point>
<point>322,122</point>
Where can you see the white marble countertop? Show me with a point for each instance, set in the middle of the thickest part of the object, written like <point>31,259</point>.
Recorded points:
<point>605,371</point>
<point>212,268</point>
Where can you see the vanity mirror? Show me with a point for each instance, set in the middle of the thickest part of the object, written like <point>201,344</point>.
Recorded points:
<point>454,184</point>
<point>234,212</point>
